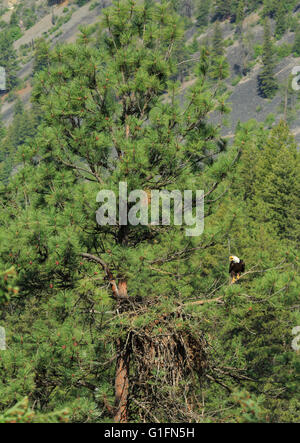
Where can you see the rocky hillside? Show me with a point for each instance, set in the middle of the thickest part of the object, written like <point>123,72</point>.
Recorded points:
<point>59,23</point>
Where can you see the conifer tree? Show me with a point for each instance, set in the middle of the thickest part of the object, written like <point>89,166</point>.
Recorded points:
<point>223,9</point>
<point>8,60</point>
<point>2,128</point>
<point>54,2</point>
<point>21,413</point>
<point>202,12</point>
<point>240,15</point>
<point>296,46</point>
<point>269,9</point>
<point>41,55</point>
<point>139,323</point>
<point>279,192</point>
<point>281,20</point>
<point>217,41</point>
<point>267,83</point>
<point>105,121</point>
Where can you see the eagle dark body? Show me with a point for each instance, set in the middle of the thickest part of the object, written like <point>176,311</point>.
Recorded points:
<point>237,268</point>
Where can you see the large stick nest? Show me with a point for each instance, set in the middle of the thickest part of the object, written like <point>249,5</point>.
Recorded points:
<point>166,368</point>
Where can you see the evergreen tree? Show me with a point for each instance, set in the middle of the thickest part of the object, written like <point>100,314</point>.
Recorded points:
<point>8,60</point>
<point>41,55</point>
<point>269,9</point>
<point>14,19</point>
<point>202,12</point>
<point>277,196</point>
<point>267,83</point>
<point>21,413</point>
<point>22,127</point>
<point>106,121</point>
<point>296,46</point>
<point>2,128</point>
<point>281,20</point>
<point>217,41</point>
<point>223,9</point>
<point>240,15</point>
<point>54,2</point>
<point>139,322</point>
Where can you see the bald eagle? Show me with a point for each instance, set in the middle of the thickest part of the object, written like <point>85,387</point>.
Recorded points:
<point>237,266</point>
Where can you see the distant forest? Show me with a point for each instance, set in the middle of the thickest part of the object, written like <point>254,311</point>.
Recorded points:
<point>145,322</point>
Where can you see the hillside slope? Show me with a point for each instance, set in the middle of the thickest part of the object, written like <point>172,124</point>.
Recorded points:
<point>244,98</point>
<point>245,101</point>
<point>67,33</point>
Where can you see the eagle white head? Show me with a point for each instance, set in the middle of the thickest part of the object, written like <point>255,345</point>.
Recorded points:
<point>234,258</point>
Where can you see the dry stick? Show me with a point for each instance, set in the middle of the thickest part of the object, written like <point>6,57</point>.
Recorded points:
<point>219,299</point>
<point>219,382</point>
<point>79,168</point>
<point>147,410</point>
<point>262,270</point>
<point>105,267</point>
<point>202,302</point>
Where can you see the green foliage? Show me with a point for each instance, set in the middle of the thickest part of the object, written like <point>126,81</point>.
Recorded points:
<point>218,41</point>
<point>236,80</point>
<point>202,13</point>
<point>223,9</point>
<point>296,46</point>
<point>8,58</point>
<point>109,109</point>
<point>240,15</point>
<point>21,413</point>
<point>283,50</point>
<point>267,84</point>
<point>24,125</point>
<point>251,409</point>
<point>41,55</point>
<point>82,2</point>
<point>6,285</point>
<point>281,20</point>
<point>54,2</point>
<point>276,199</point>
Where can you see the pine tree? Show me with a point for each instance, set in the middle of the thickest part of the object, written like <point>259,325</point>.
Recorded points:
<point>202,13</point>
<point>139,322</point>
<point>41,55</point>
<point>217,41</point>
<point>269,8</point>
<point>2,127</point>
<point>93,101</point>
<point>240,15</point>
<point>279,191</point>
<point>267,83</point>
<point>14,19</point>
<point>54,2</point>
<point>223,9</point>
<point>281,20</point>
<point>8,60</point>
<point>21,413</point>
<point>296,46</point>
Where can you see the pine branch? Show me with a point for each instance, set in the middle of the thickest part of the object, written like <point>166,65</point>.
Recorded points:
<point>107,271</point>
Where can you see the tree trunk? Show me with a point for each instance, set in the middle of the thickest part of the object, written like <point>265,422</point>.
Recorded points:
<point>121,384</point>
<point>122,371</point>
